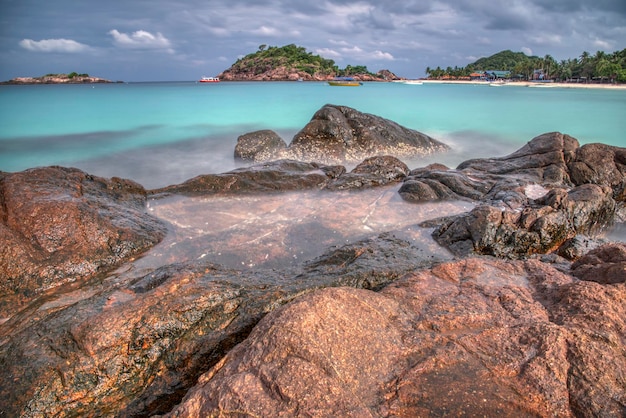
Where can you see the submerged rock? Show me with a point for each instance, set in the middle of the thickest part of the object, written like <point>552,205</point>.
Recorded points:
<point>470,337</point>
<point>59,225</point>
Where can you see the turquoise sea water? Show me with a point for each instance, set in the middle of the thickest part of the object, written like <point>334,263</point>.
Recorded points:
<point>165,133</point>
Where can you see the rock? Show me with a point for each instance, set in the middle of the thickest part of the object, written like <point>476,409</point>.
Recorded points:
<point>132,344</point>
<point>259,146</point>
<point>340,134</point>
<point>387,75</point>
<point>471,337</point>
<point>543,159</point>
<point>372,172</point>
<point>60,225</point>
<point>291,175</point>
<point>527,203</point>
<point>540,163</point>
<point>282,175</point>
<point>600,164</point>
<point>581,244</point>
<point>541,227</point>
<point>605,265</point>
<point>444,184</point>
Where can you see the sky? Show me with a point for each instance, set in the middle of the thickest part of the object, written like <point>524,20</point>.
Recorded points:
<point>179,40</point>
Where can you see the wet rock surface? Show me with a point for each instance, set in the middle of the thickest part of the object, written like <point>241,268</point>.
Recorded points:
<point>59,225</point>
<point>470,337</point>
<point>328,301</point>
<point>339,135</point>
<point>259,146</point>
<point>131,345</point>
<point>533,201</point>
<point>291,175</point>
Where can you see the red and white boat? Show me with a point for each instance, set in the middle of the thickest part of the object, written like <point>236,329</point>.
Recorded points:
<point>209,80</point>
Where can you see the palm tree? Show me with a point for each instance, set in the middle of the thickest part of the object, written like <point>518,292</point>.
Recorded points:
<point>548,63</point>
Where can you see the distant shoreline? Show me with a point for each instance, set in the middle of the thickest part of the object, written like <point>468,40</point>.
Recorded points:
<point>534,84</point>
<point>57,79</point>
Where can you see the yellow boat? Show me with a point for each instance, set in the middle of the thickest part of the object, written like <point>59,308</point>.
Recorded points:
<point>345,81</point>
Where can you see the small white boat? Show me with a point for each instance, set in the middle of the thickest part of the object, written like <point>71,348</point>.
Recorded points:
<point>209,80</point>
<point>412,82</point>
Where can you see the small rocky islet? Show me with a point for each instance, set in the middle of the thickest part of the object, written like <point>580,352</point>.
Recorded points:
<point>61,78</point>
<point>525,316</point>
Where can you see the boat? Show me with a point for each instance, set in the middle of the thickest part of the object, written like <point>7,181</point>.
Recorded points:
<point>412,82</point>
<point>345,81</point>
<point>209,80</point>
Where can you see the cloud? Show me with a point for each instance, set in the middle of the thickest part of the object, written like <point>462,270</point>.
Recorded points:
<point>527,51</point>
<point>141,39</point>
<point>380,55</point>
<point>265,31</point>
<point>546,39</point>
<point>54,45</point>
<point>604,45</point>
<point>327,53</point>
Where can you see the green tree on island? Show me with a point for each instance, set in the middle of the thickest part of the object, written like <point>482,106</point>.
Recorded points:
<point>602,67</point>
<point>296,57</point>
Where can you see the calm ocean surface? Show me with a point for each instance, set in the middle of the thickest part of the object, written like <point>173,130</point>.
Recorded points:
<point>165,133</point>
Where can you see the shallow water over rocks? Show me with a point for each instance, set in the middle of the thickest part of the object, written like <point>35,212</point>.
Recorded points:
<point>286,229</point>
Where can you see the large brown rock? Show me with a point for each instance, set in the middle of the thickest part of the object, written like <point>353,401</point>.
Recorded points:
<point>132,344</point>
<point>539,228</point>
<point>475,337</point>
<point>60,225</point>
<point>292,175</point>
<point>339,135</point>
<point>531,202</point>
<point>275,176</point>
<point>543,161</point>
<point>600,164</point>
<point>544,158</point>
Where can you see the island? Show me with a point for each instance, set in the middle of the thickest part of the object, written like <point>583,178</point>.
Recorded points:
<point>70,78</point>
<point>294,63</point>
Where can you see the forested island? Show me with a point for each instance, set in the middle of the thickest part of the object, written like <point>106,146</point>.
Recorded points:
<point>601,67</point>
<point>69,78</point>
<point>292,62</point>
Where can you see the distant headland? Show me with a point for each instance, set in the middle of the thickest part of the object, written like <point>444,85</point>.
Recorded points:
<point>70,78</point>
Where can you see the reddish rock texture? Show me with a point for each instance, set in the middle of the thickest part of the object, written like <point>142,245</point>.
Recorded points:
<point>475,337</point>
<point>60,225</point>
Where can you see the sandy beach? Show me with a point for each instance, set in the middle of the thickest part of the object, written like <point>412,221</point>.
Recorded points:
<point>533,84</point>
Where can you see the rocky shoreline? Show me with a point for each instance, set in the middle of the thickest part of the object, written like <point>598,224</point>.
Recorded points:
<point>524,316</point>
